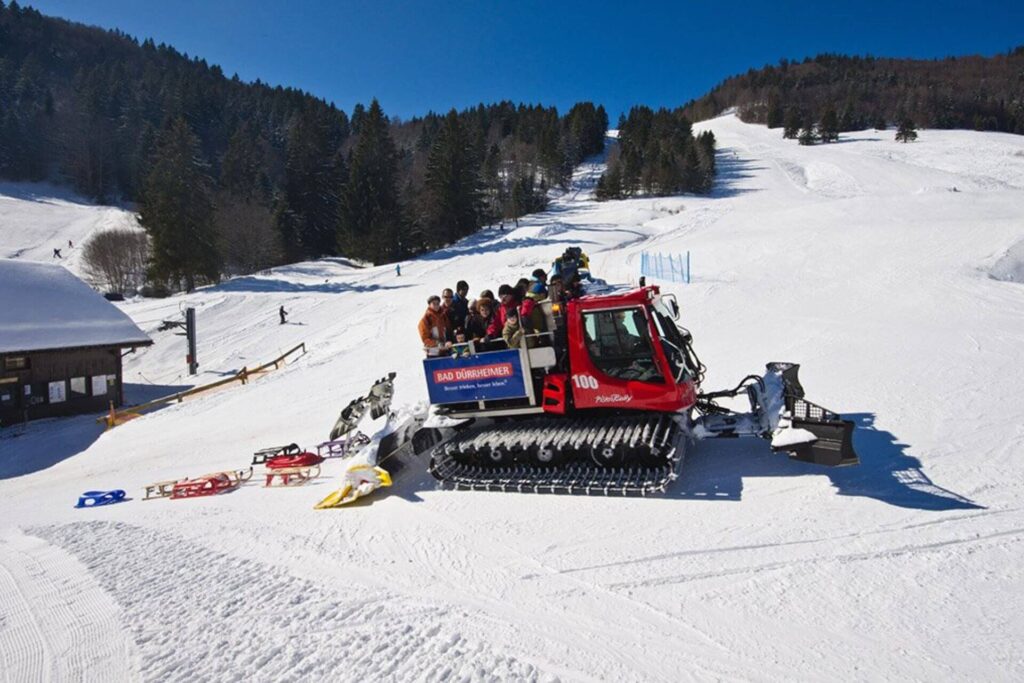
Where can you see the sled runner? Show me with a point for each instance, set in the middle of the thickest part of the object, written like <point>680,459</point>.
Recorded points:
<point>91,499</point>
<point>291,476</point>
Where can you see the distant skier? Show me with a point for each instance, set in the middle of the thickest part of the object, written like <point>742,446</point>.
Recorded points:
<point>281,312</point>
<point>70,245</point>
<point>56,254</point>
<point>398,270</point>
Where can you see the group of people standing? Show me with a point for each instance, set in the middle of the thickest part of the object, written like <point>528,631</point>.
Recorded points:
<point>452,320</point>
<point>492,322</point>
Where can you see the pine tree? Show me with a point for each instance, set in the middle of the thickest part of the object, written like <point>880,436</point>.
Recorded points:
<point>177,211</point>
<point>308,208</point>
<point>706,161</point>
<point>371,222</point>
<point>828,129</point>
<point>358,116</point>
<point>906,132</point>
<point>791,124</point>
<point>775,114</point>
<point>609,186</point>
<point>452,185</point>
<point>807,135</point>
<point>691,181</point>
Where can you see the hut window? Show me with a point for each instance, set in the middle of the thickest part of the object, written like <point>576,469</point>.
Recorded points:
<point>16,363</point>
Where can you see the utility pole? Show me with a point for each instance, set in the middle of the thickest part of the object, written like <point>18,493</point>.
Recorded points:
<point>190,334</point>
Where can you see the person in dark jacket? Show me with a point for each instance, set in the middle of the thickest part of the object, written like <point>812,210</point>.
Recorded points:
<point>459,307</point>
<point>283,313</point>
<point>556,289</point>
<point>538,284</point>
<point>478,321</point>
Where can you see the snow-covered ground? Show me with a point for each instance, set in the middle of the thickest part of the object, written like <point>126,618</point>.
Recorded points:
<point>874,264</point>
<point>36,218</point>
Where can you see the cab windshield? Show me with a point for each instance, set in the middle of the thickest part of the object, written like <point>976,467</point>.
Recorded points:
<point>619,344</point>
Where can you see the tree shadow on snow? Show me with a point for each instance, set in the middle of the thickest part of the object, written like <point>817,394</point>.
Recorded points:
<point>715,470</point>
<point>489,241</point>
<point>730,169</point>
<point>253,284</point>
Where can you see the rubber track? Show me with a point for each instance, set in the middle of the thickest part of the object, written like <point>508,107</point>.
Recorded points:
<point>461,461</point>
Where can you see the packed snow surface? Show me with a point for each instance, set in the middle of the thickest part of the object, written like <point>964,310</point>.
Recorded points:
<point>867,261</point>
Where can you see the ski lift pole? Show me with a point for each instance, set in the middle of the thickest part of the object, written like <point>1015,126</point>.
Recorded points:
<point>190,334</point>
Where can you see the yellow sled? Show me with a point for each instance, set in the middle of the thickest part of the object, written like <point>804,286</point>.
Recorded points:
<point>358,481</point>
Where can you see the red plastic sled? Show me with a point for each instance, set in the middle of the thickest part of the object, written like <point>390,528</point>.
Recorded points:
<point>304,459</point>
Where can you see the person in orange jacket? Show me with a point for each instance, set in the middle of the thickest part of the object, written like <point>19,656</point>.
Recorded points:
<point>433,328</point>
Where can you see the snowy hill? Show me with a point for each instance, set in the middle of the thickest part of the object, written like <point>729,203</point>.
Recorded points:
<point>869,262</point>
<point>36,218</point>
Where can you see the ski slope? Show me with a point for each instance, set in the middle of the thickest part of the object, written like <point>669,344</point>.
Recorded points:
<point>878,266</point>
<point>36,218</point>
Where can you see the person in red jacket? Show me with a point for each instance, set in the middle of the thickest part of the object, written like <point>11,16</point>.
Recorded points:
<point>508,299</point>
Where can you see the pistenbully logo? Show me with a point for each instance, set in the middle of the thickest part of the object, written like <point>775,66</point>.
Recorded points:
<point>614,398</point>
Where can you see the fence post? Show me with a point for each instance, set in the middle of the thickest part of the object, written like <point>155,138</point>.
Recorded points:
<point>687,266</point>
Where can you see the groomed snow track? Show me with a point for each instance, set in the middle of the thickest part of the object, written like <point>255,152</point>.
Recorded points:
<point>615,455</point>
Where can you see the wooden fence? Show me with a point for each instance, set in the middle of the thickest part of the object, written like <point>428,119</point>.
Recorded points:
<point>116,417</point>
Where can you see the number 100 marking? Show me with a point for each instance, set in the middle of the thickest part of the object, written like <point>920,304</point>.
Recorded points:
<point>584,382</point>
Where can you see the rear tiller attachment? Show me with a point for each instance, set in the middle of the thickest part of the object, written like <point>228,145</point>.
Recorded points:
<point>779,412</point>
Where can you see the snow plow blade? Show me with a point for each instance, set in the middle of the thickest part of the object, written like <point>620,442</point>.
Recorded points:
<point>833,442</point>
<point>779,413</point>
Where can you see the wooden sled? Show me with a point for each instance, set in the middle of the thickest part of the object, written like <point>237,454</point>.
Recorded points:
<point>160,489</point>
<point>291,476</point>
<point>165,489</point>
<point>209,485</point>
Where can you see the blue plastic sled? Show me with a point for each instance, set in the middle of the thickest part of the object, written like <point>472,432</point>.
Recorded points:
<point>91,499</point>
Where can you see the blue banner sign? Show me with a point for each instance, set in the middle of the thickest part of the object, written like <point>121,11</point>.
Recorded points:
<point>483,377</point>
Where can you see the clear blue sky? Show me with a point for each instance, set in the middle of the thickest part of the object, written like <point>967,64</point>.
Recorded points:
<point>422,55</point>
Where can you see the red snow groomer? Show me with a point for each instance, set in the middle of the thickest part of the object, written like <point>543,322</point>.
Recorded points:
<point>606,401</point>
